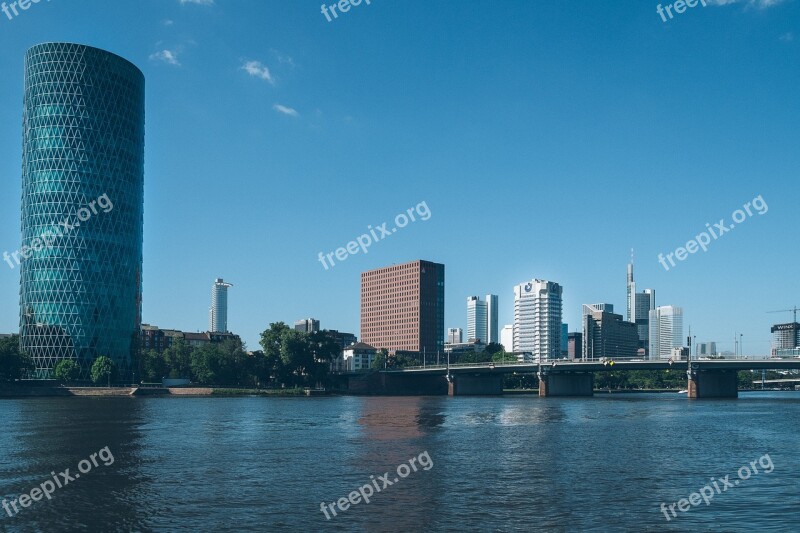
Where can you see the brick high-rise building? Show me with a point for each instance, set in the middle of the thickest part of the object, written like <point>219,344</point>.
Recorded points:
<point>402,307</point>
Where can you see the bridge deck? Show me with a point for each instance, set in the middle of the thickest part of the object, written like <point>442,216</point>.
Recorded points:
<point>597,366</point>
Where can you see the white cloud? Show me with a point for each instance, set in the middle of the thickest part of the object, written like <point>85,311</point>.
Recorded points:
<point>286,110</point>
<point>787,37</point>
<point>167,56</point>
<point>198,2</point>
<point>283,59</point>
<point>167,22</point>
<point>255,68</point>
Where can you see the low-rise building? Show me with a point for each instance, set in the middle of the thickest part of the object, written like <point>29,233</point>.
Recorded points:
<point>680,353</point>
<point>344,339</point>
<point>338,364</point>
<point>152,338</point>
<point>455,351</point>
<point>196,340</point>
<point>222,337</point>
<point>359,356</point>
<point>574,345</point>
<point>155,338</point>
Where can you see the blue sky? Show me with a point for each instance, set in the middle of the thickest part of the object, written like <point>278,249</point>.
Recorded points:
<point>546,138</point>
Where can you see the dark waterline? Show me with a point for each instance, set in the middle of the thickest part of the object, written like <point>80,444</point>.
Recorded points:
<point>499,464</point>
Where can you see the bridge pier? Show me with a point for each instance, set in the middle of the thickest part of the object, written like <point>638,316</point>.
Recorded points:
<point>475,385</point>
<point>566,384</point>
<point>713,384</point>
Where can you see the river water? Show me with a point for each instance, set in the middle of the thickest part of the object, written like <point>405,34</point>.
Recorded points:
<point>482,464</point>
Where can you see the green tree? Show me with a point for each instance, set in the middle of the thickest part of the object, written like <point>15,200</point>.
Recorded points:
<point>202,365</point>
<point>154,367</point>
<point>494,347</point>
<point>403,360</point>
<point>271,341</point>
<point>177,360</point>
<point>503,357</point>
<point>222,364</point>
<point>66,371</point>
<point>265,369</point>
<point>103,370</point>
<point>13,363</point>
<point>324,349</point>
<point>381,360</point>
<point>475,357</point>
<point>297,357</point>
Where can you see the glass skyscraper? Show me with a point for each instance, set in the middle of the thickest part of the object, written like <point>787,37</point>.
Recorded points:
<point>82,207</point>
<point>666,331</point>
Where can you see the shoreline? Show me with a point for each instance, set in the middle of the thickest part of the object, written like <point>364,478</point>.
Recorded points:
<point>26,392</point>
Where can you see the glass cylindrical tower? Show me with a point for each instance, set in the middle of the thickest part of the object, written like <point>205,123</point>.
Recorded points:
<point>82,207</point>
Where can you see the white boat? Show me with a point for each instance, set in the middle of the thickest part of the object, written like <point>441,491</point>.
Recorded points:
<point>683,392</point>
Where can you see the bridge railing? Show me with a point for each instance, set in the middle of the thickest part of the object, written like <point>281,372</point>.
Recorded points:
<point>512,362</point>
<point>489,364</point>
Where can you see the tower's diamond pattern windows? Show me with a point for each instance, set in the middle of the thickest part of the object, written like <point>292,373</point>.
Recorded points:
<point>83,140</point>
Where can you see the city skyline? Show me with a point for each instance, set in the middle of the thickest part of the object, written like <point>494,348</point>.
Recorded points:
<point>254,143</point>
<point>234,230</point>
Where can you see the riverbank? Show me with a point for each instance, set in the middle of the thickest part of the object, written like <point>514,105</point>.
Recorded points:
<point>23,391</point>
<point>17,392</point>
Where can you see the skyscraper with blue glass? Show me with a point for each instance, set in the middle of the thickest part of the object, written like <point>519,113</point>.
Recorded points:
<point>82,207</point>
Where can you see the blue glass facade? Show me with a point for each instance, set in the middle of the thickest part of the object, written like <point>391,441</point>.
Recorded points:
<point>82,207</point>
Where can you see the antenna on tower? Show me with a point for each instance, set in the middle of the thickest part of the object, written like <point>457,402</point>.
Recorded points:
<point>631,255</point>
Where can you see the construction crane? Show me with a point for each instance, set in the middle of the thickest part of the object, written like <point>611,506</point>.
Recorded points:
<point>793,310</point>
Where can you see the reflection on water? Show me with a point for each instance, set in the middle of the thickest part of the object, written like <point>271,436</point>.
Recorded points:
<point>45,436</point>
<point>499,464</point>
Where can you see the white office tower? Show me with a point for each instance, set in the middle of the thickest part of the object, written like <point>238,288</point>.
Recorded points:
<point>476,320</point>
<point>492,331</point>
<point>218,314</point>
<point>666,331</point>
<point>588,309</point>
<point>537,319</point>
<point>455,336</point>
<point>507,338</point>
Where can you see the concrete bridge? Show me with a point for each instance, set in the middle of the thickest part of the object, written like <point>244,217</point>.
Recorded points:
<point>707,378</point>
